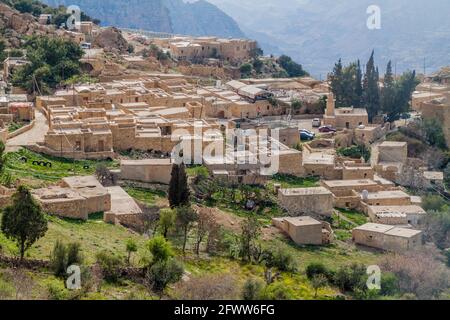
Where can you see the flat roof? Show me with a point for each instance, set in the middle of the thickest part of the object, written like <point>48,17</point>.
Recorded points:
<point>305,191</point>
<point>122,202</point>
<point>349,183</point>
<point>393,144</point>
<point>388,194</point>
<point>403,232</point>
<point>148,162</point>
<point>300,221</point>
<point>374,227</point>
<point>433,175</point>
<point>389,230</point>
<point>408,209</point>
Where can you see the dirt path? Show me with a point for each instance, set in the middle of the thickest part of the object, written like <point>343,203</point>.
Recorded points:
<point>34,135</point>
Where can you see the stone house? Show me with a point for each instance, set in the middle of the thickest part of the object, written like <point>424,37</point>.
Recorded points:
<point>148,170</point>
<point>306,201</point>
<point>75,197</point>
<point>344,118</point>
<point>124,209</point>
<point>396,215</point>
<point>305,230</point>
<point>387,237</point>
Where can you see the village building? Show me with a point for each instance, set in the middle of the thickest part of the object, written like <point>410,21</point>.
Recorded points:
<point>434,179</point>
<point>347,193</point>
<point>388,158</point>
<point>75,197</point>
<point>306,201</point>
<point>386,237</point>
<point>196,48</point>
<point>147,170</point>
<point>305,230</point>
<point>396,215</point>
<point>344,118</point>
<point>124,210</point>
<point>12,63</point>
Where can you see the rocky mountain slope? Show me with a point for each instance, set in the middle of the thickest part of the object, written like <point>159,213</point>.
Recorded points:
<point>318,32</point>
<point>173,16</point>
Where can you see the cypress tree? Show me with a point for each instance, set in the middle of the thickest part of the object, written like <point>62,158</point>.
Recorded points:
<point>337,83</point>
<point>371,95</point>
<point>358,89</point>
<point>178,188</point>
<point>388,93</point>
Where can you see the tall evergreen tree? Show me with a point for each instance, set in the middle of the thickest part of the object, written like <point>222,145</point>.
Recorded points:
<point>178,188</point>
<point>388,93</point>
<point>371,95</point>
<point>23,221</point>
<point>337,83</point>
<point>358,89</point>
<point>405,87</point>
<point>346,84</point>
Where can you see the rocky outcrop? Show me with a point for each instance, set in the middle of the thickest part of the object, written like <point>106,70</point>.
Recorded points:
<point>111,39</point>
<point>16,25</point>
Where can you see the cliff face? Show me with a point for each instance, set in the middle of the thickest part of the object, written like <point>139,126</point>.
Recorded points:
<point>15,25</point>
<point>198,18</point>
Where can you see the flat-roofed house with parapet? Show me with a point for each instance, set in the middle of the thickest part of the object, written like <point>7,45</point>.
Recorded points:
<point>305,230</point>
<point>387,237</point>
<point>75,197</point>
<point>397,215</point>
<point>306,201</point>
<point>388,158</point>
<point>344,118</point>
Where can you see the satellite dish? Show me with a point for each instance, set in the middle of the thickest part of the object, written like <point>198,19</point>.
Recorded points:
<point>365,195</point>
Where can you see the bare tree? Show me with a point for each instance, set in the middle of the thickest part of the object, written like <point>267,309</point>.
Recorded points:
<point>418,272</point>
<point>148,218</point>
<point>205,224</point>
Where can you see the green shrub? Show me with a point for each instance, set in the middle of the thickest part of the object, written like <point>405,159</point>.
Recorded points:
<point>163,273</point>
<point>389,284</point>
<point>318,268</point>
<point>7,291</point>
<point>277,291</point>
<point>63,256</point>
<point>351,278</point>
<point>280,258</point>
<point>74,255</point>
<point>252,289</point>
<point>110,265</point>
<point>57,291</point>
<point>433,202</point>
<point>58,259</point>
<point>355,152</point>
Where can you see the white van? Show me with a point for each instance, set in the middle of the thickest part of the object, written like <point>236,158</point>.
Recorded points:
<point>316,122</point>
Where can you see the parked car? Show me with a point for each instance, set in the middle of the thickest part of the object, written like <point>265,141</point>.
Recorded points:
<point>326,129</point>
<point>308,132</point>
<point>306,136</point>
<point>316,122</point>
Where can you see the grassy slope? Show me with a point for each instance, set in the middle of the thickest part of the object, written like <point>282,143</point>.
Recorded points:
<point>94,236</point>
<point>36,175</point>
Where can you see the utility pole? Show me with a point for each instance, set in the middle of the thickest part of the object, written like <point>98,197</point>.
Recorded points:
<point>425,66</point>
